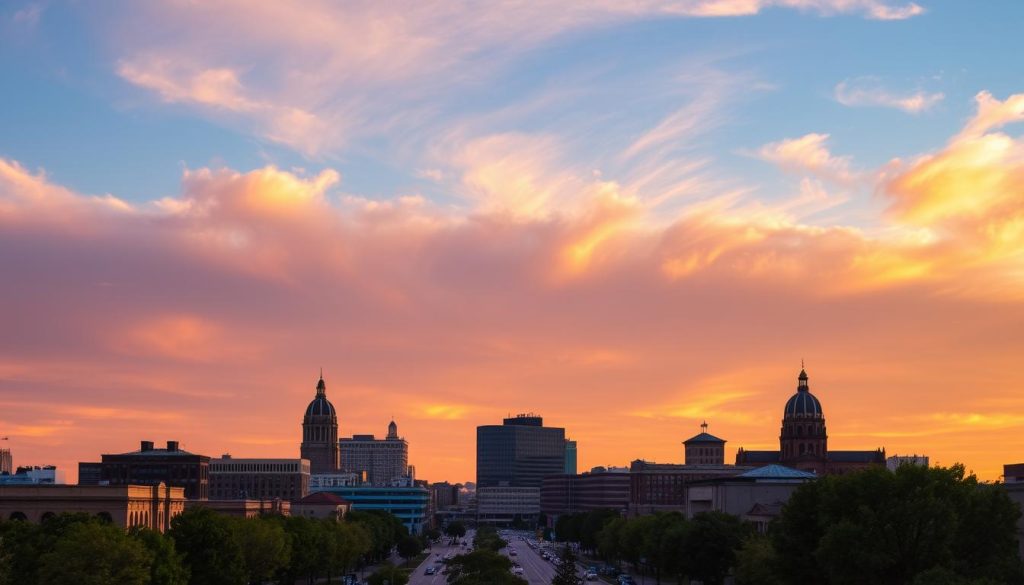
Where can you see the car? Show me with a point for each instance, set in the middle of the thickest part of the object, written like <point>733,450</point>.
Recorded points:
<point>512,552</point>
<point>591,576</point>
<point>517,570</point>
<point>430,571</point>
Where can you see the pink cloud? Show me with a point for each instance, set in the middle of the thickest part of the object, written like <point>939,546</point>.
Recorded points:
<point>867,92</point>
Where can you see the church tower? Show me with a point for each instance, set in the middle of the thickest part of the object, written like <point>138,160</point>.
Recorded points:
<point>320,433</point>
<point>803,443</point>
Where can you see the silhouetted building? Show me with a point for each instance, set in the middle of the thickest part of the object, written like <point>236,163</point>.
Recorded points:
<point>570,457</point>
<point>259,479</point>
<point>756,496</point>
<point>172,466</point>
<point>244,508</point>
<point>6,461</point>
<point>385,461</point>
<point>322,505</point>
<point>444,494</point>
<point>127,506</point>
<point>661,487</point>
<point>803,441</point>
<point>705,449</point>
<point>90,473</point>
<point>320,433</point>
<point>600,488</point>
<point>44,475</point>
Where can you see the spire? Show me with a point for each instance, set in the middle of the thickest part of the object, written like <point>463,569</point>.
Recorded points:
<point>704,427</point>
<point>392,430</point>
<point>802,378</point>
<point>321,388</point>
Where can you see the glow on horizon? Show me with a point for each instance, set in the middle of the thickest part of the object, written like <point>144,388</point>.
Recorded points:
<point>628,221</point>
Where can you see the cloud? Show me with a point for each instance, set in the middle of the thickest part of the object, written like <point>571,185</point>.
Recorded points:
<point>808,154</point>
<point>865,91</point>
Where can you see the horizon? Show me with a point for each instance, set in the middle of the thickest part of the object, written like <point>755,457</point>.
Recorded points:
<point>629,219</point>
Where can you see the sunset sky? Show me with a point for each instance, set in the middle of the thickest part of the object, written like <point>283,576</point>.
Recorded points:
<point>626,216</point>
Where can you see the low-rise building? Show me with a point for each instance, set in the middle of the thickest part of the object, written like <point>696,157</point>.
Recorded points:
<point>756,496</point>
<point>259,479</point>
<point>243,508</point>
<point>661,487</point>
<point>508,505</point>
<point>409,504</point>
<point>172,466</point>
<point>600,488</point>
<point>47,475</point>
<point>322,505</point>
<point>128,506</point>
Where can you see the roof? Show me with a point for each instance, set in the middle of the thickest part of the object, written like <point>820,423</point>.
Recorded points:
<point>802,404</point>
<point>776,472</point>
<point>771,510</point>
<point>704,438</point>
<point>760,457</point>
<point>324,498</point>
<point>856,456</point>
<point>320,406</point>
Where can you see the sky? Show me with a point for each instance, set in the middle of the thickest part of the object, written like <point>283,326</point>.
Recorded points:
<point>627,217</point>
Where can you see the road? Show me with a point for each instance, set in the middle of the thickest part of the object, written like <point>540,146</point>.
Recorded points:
<point>536,570</point>
<point>418,576</point>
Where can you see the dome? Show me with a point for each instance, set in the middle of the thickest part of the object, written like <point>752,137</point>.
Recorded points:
<point>803,404</point>
<point>320,405</point>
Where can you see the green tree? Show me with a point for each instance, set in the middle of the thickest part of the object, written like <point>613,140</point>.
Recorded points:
<point>756,562</point>
<point>482,567</point>
<point>388,574</point>
<point>90,553</point>
<point>455,529</point>
<point>567,572</point>
<point>565,528</point>
<point>432,534</point>
<point>409,547</point>
<point>207,542</point>
<point>608,540</point>
<point>168,566</point>
<point>710,546</point>
<point>264,545</point>
<point>592,523</point>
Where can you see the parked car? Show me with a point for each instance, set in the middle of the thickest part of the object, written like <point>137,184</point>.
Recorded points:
<point>430,571</point>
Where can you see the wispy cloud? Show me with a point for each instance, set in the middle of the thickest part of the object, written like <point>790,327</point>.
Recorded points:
<point>868,92</point>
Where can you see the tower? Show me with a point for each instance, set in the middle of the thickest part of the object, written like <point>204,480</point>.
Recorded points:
<point>320,433</point>
<point>803,443</point>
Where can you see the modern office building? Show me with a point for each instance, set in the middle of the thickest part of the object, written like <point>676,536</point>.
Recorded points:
<point>570,457</point>
<point>45,475</point>
<point>384,461</point>
<point>409,504</point>
<point>600,488</point>
<point>127,506</point>
<point>521,452</point>
<point>172,466</point>
<point>259,479</point>
<point>320,433</point>
<point>803,442</point>
<point>6,461</point>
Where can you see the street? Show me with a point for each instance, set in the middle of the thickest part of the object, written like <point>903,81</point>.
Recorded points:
<point>536,570</point>
<point>419,576</point>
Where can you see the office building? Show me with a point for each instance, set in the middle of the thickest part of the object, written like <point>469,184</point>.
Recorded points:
<point>259,479</point>
<point>172,466</point>
<point>6,461</point>
<point>570,457</point>
<point>661,487</point>
<point>320,433</point>
<point>444,495</point>
<point>46,475</point>
<point>384,461</point>
<point>600,488</point>
<point>409,504</point>
<point>127,506</point>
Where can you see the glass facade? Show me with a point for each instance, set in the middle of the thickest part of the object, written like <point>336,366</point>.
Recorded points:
<point>519,453</point>
<point>409,504</point>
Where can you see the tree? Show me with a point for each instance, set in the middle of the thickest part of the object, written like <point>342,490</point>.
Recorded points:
<point>608,540</point>
<point>264,545</point>
<point>432,534</point>
<point>455,529</point>
<point>409,547</point>
<point>567,573</point>
<point>168,566</point>
<point>710,546</point>
<point>96,554</point>
<point>388,574</point>
<point>755,562</point>
<point>208,543</point>
<point>482,567</point>
<point>591,525</point>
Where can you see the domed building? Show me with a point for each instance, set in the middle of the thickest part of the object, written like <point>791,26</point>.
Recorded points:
<point>320,433</point>
<point>803,441</point>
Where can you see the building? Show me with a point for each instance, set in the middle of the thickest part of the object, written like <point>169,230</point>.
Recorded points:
<point>661,487</point>
<point>320,433</point>
<point>570,457</point>
<point>322,505</point>
<point>1013,478</point>
<point>894,462</point>
<point>319,481</point>
<point>90,473</point>
<point>444,495</point>
<point>172,466</point>
<point>259,479</point>
<point>704,449</point>
<point>600,488</point>
<point>46,475</point>
<point>245,508</point>
<point>383,460</point>
<point>756,496</point>
<point>6,461</point>
<point>128,506</point>
<point>803,442</point>
<point>409,504</point>
<point>519,454</point>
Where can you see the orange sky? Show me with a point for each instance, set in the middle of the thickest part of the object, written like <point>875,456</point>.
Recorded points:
<point>205,317</point>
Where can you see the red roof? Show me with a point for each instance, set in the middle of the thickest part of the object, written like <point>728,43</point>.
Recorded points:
<point>325,498</point>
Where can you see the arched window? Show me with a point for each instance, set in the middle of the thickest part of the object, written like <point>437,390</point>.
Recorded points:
<point>46,516</point>
<point>20,516</point>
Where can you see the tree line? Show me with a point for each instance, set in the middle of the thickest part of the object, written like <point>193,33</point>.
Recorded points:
<point>201,547</point>
<point>916,526</point>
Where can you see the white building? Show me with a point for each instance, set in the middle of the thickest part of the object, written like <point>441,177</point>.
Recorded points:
<point>45,475</point>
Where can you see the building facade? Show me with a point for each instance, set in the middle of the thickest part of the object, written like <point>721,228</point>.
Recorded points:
<point>409,504</point>
<point>384,461</point>
<point>127,506</point>
<point>243,508</point>
<point>45,475</point>
<point>322,506</point>
<point>259,479</point>
<point>172,466</point>
<point>6,461</point>
<point>521,452</point>
<point>803,440</point>
<point>661,487</point>
<point>600,488</point>
<point>570,457</point>
<point>507,505</point>
<point>320,433</point>
<point>444,495</point>
<point>704,449</point>
<point>756,496</point>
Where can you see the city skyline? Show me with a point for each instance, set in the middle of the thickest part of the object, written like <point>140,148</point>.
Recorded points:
<point>629,220</point>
